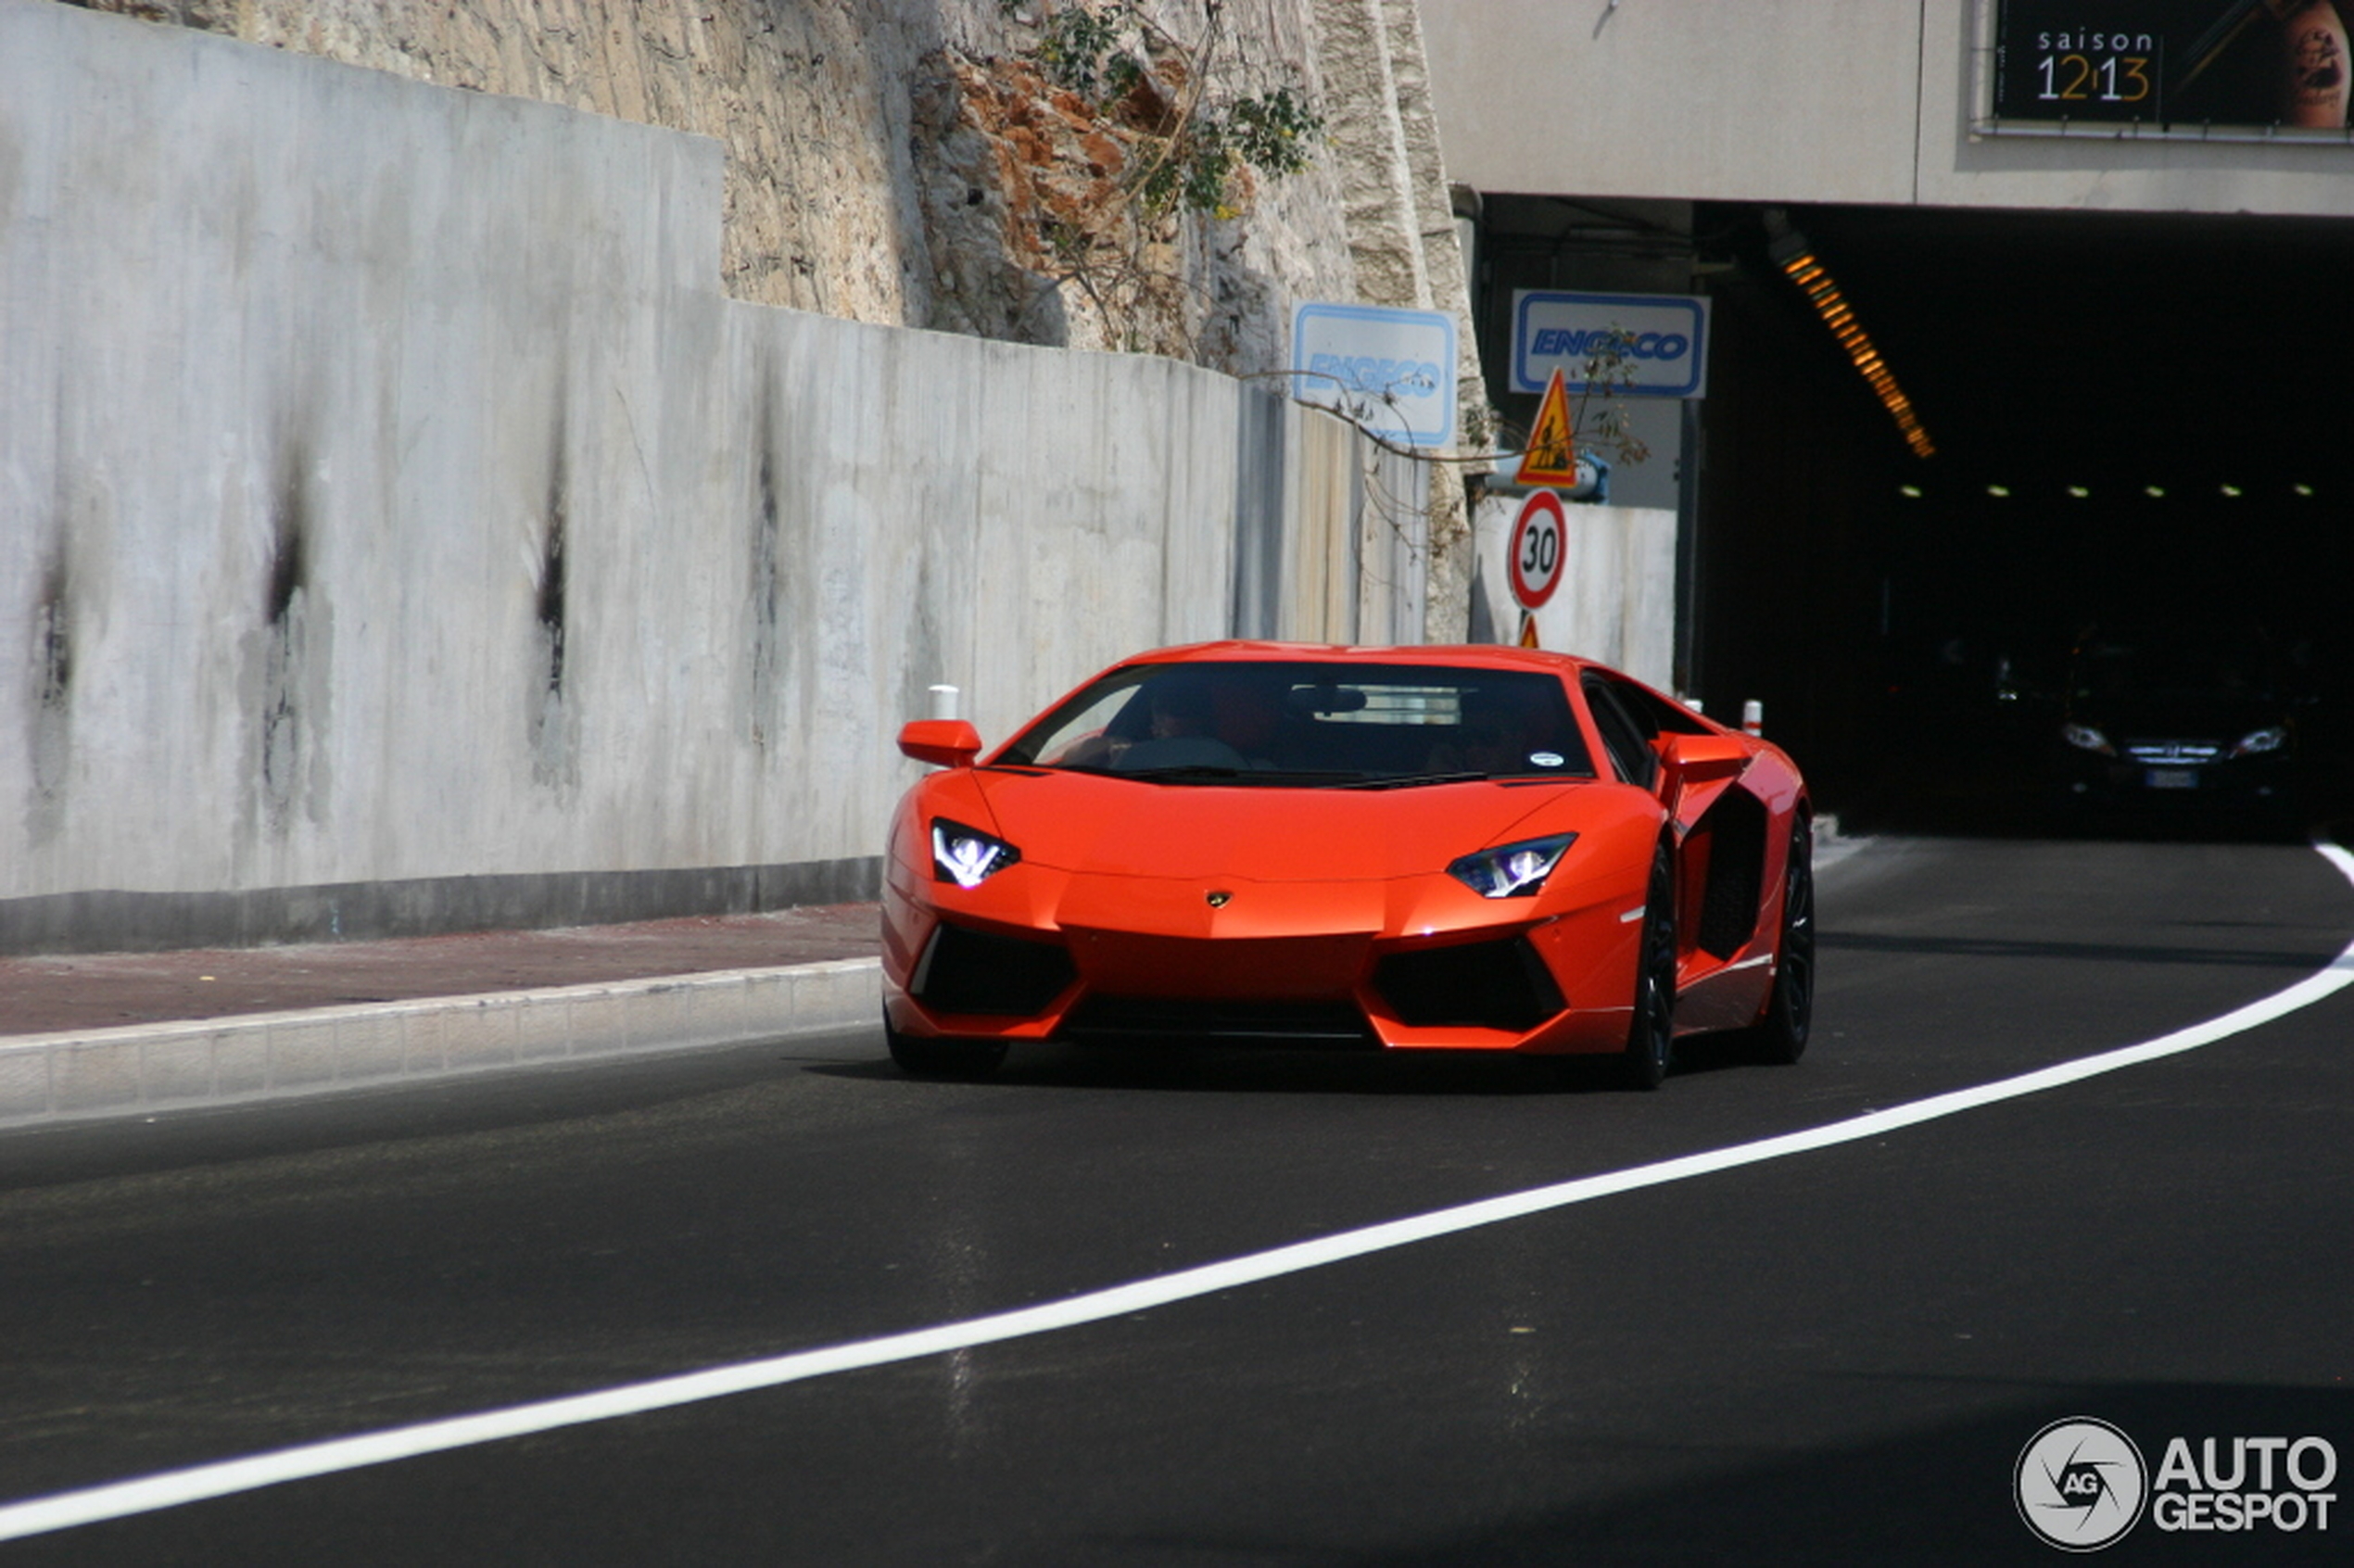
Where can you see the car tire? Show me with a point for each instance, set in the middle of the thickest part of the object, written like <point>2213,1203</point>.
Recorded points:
<point>1650,1034</point>
<point>1781,1035</point>
<point>952,1060</point>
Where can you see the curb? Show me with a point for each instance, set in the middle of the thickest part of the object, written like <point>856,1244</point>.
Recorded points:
<point>102,1072</point>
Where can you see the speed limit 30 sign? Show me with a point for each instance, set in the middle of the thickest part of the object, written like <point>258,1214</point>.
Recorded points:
<point>1539,539</point>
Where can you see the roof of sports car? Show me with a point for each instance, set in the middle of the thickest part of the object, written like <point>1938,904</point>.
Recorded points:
<point>1457,655</point>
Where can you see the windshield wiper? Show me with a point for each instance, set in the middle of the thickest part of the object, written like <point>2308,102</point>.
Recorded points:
<point>1173,774</point>
<point>1405,780</point>
<point>1207,773</point>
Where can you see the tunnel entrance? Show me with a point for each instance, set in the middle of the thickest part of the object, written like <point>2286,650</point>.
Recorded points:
<point>2141,433</point>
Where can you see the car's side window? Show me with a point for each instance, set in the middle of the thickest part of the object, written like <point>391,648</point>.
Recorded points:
<point>1655,715</point>
<point>1622,737</point>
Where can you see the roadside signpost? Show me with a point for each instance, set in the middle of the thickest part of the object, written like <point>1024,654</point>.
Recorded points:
<point>1539,541</point>
<point>1552,457</point>
<point>1392,371</point>
<point>1656,344</point>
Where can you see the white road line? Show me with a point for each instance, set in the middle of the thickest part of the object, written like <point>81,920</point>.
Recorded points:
<point>122,1498</point>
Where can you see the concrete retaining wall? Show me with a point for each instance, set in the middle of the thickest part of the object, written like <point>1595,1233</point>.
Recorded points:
<point>389,500</point>
<point>1616,597</point>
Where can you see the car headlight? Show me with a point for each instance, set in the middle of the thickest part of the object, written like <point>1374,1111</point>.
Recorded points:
<point>1511,870</point>
<point>2086,737</point>
<point>968,856</point>
<point>2272,738</point>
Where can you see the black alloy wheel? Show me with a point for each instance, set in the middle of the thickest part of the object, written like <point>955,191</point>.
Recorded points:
<point>965,1061</point>
<point>1781,1035</point>
<point>1650,1034</point>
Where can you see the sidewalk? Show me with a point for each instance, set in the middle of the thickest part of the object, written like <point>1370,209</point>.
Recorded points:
<point>119,1034</point>
<point>85,1035</point>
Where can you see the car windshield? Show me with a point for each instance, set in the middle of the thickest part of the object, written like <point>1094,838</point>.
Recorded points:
<point>2180,671</point>
<point>1300,723</point>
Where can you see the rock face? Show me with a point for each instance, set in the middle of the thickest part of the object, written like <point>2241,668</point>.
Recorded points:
<point>1026,188</point>
<point>811,101</point>
<point>892,160</point>
<point>909,162</point>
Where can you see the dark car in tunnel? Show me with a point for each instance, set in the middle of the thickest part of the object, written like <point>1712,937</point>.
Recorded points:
<point>2162,718</point>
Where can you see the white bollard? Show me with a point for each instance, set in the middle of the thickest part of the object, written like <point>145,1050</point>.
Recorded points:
<point>1753,718</point>
<point>944,701</point>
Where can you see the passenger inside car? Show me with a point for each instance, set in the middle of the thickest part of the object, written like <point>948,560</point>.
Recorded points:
<point>1499,731</point>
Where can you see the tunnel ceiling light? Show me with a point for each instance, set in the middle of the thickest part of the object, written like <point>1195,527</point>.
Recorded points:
<point>1794,256</point>
<point>1913,492</point>
<point>2232,490</point>
<point>2304,490</point>
<point>2000,492</point>
<point>2078,491</point>
<point>2155,492</point>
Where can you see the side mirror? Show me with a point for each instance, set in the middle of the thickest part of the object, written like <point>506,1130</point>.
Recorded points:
<point>942,742</point>
<point>1686,760</point>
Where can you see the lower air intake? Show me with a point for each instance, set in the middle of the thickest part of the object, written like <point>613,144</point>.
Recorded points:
<point>1478,985</point>
<point>966,971</point>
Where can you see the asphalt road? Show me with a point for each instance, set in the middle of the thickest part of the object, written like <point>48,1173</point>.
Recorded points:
<point>1830,1358</point>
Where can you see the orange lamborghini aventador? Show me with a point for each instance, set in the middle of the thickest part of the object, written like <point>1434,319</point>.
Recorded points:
<point>1405,849</point>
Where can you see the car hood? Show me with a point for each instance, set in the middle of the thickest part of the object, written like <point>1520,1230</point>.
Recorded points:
<point>2189,717</point>
<point>1122,826</point>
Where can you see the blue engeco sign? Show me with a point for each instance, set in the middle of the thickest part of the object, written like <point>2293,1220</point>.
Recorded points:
<point>1392,371</point>
<point>1648,344</point>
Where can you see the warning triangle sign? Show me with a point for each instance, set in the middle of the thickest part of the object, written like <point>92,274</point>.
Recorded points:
<point>1527,629</point>
<point>1552,457</point>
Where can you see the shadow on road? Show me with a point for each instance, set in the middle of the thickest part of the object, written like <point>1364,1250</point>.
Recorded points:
<point>2077,952</point>
<point>1227,1069</point>
<point>1935,1495</point>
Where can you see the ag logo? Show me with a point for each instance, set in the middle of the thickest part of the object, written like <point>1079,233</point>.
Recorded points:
<point>2080,1484</point>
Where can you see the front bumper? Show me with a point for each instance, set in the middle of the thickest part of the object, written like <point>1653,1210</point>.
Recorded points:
<point>1373,965</point>
<point>2177,779</point>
